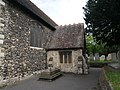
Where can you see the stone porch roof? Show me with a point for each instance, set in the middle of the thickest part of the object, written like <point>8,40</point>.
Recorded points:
<point>68,36</point>
<point>36,11</point>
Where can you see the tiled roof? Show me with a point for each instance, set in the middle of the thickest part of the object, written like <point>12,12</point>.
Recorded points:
<point>35,10</point>
<point>68,36</point>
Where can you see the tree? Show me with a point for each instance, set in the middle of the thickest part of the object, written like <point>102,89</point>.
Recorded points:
<point>90,43</point>
<point>93,47</point>
<point>102,18</point>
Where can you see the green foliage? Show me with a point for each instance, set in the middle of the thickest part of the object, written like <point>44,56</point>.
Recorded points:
<point>114,48</point>
<point>102,18</point>
<point>93,47</point>
<point>90,43</point>
<point>113,77</point>
<point>99,63</point>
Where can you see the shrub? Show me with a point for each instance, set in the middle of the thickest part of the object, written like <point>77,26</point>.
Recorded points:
<point>99,63</point>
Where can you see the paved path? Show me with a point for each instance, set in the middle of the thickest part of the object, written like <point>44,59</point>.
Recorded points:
<point>65,82</point>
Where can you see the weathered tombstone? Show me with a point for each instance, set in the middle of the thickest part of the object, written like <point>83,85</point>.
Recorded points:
<point>109,57</point>
<point>97,56</point>
<point>113,57</point>
<point>102,57</point>
<point>118,56</point>
<point>91,57</point>
<point>86,55</point>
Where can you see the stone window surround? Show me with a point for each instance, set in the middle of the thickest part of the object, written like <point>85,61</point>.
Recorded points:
<point>36,48</point>
<point>36,38</point>
<point>66,57</point>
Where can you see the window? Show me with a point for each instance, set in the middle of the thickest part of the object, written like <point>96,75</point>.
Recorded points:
<point>65,56</point>
<point>36,37</point>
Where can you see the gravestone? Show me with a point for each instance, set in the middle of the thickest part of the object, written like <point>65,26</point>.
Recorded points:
<point>91,57</point>
<point>113,57</point>
<point>97,56</point>
<point>102,57</point>
<point>86,55</point>
<point>118,57</point>
<point>109,57</point>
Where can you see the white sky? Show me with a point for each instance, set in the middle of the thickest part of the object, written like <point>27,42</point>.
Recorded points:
<point>63,11</point>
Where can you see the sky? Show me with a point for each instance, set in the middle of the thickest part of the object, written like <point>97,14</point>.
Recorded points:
<point>63,12</point>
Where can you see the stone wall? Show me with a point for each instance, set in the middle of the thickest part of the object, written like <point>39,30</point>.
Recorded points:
<point>68,67</point>
<point>17,58</point>
<point>80,63</point>
<point>2,27</point>
<point>55,56</point>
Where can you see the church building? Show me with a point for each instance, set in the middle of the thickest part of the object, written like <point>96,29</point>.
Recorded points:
<point>29,39</point>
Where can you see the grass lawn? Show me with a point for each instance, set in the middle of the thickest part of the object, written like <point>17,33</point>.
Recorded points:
<point>113,77</point>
